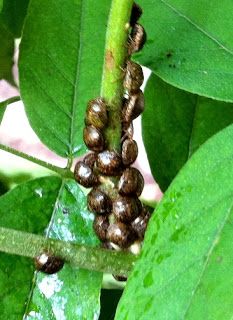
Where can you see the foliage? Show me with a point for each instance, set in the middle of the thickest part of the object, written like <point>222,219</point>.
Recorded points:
<point>185,268</point>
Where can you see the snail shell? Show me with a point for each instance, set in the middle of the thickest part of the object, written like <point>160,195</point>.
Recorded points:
<point>137,38</point>
<point>133,107</point>
<point>98,201</point>
<point>133,77</point>
<point>120,234</point>
<point>84,175</point>
<point>139,225</point>
<point>93,138</point>
<point>135,14</point>
<point>109,162</point>
<point>48,263</point>
<point>126,209</point>
<point>129,152</point>
<point>127,130</point>
<point>90,159</point>
<point>131,182</point>
<point>119,278</point>
<point>100,226</point>
<point>96,113</point>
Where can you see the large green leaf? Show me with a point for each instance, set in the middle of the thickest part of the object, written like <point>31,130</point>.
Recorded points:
<point>190,44</point>
<point>72,293</point>
<point>185,269</point>
<point>13,14</point>
<point>6,53</point>
<point>27,207</point>
<point>175,123</point>
<point>61,58</point>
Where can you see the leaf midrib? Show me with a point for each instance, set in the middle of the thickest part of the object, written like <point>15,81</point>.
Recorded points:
<point>73,111</point>
<point>199,28</point>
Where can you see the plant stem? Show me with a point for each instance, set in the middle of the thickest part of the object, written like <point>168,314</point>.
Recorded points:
<point>92,258</point>
<point>113,72</point>
<point>64,172</point>
<point>9,101</point>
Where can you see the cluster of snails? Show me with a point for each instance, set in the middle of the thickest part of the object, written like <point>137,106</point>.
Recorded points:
<point>120,217</point>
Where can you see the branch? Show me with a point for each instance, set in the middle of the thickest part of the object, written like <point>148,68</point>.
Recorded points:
<point>64,172</point>
<point>113,74</point>
<point>9,101</point>
<point>92,258</point>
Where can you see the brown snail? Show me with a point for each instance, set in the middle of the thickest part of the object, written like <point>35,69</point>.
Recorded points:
<point>119,278</point>
<point>126,209</point>
<point>48,263</point>
<point>133,77</point>
<point>109,162</point>
<point>137,38</point>
<point>93,138</point>
<point>133,107</point>
<point>120,234</point>
<point>98,201</point>
<point>96,113</point>
<point>127,130</point>
<point>139,225</point>
<point>84,175</point>
<point>90,159</point>
<point>135,14</point>
<point>129,152</point>
<point>131,182</point>
<point>100,226</point>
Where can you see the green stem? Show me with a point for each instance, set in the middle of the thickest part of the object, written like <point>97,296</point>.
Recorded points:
<point>64,172</point>
<point>92,258</point>
<point>9,101</point>
<point>113,73</point>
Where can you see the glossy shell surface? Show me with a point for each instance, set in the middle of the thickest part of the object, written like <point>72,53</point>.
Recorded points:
<point>96,113</point>
<point>133,107</point>
<point>133,77</point>
<point>100,226</point>
<point>126,209</point>
<point>131,182</point>
<point>109,162</point>
<point>98,201</point>
<point>48,263</point>
<point>129,152</point>
<point>120,234</point>
<point>93,138</point>
<point>137,38</point>
<point>84,175</point>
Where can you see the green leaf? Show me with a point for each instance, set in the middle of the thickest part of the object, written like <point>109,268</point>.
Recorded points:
<point>13,14</point>
<point>61,58</point>
<point>72,293</point>
<point>5,103</point>
<point>190,45</point>
<point>27,207</point>
<point>6,53</point>
<point>175,123</point>
<point>185,269</point>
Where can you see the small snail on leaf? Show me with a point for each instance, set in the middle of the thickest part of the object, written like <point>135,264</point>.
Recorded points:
<point>48,263</point>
